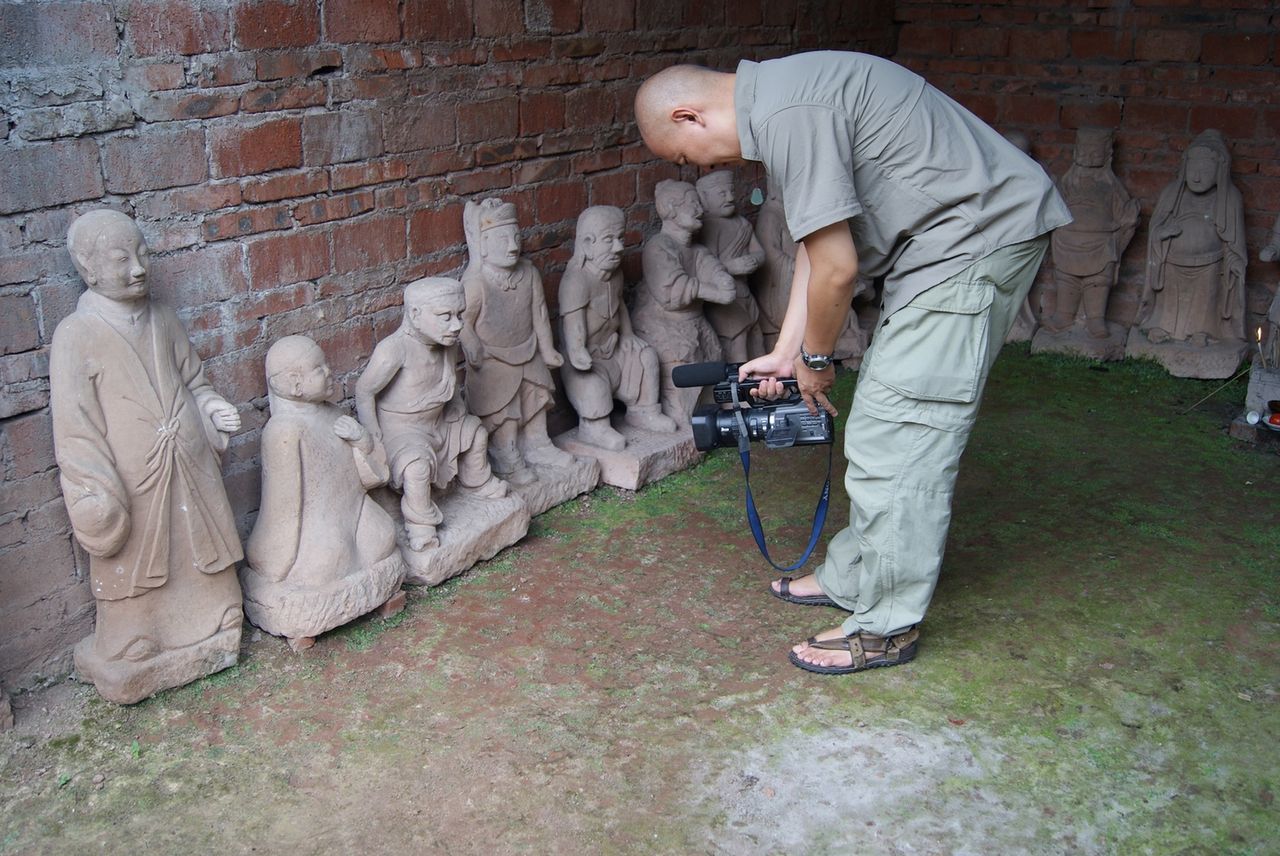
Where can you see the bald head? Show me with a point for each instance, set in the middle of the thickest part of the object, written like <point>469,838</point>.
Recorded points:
<point>685,114</point>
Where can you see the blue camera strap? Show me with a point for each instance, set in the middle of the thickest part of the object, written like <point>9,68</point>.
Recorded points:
<point>753,516</point>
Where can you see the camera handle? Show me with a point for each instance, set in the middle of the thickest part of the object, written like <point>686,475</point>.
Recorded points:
<point>753,516</point>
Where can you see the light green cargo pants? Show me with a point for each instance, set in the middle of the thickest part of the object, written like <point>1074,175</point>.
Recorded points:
<point>917,397</point>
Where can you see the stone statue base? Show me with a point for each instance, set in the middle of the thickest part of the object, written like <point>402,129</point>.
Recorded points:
<point>125,682</point>
<point>475,528</point>
<point>293,611</point>
<point>1078,343</point>
<point>553,484</point>
<point>1264,386</point>
<point>648,455</point>
<point>1182,359</point>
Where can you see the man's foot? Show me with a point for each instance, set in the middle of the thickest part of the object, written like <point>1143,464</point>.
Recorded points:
<point>493,488</point>
<point>421,536</point>
<point>802,590</point>
<point>833,653</point>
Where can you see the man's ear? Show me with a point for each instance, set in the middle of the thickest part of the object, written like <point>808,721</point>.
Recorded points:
<point>681,115</point>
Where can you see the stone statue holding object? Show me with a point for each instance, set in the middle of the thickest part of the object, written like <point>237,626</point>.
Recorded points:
<point>138,434</point>
<point>680,276</point>
<point>1086,252</point>
<point>322,552</point>
<point>409,398</point>
<point>1271,253</point>
<point>1192,314</point>
<point>606,360</point>
<point>731,237</point>
<point>507,341</point>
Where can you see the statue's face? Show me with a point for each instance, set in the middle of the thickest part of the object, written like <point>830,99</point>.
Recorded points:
<point>603,246</point>
<point>312,378</point>
<point>118,262</point>
<point>1092,152</point>
<point>717,199</point>
<point>439,318</point>
<point>1202,170</point>
<point>687,212</point>
<point>500,245</point>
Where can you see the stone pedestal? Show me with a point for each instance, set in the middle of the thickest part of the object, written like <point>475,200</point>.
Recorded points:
<point>475,528</point>
<point>1077,342</point>
<point>1264,386</point>
<point>1182,359</point>
<point>125,682</point>
<point>553,484</point>
<point>294,611</point>
<point>648,455</point>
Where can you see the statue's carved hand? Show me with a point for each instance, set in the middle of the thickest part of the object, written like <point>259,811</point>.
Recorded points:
<point>1269,253</point>
<point>102,524</point>
<point>553,359</point>
<point>1164,233</point>
<point>741,265</point>
<point>580,359</point>
<point>354,433</point>
<point>224,416</point>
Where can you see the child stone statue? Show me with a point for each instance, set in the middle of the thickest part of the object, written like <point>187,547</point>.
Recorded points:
<point>138,434</point>
<point>729,235</point>
<point>322,552</point>
<point>507,341</point>
<point>408,396</point>
<point>606,359</point>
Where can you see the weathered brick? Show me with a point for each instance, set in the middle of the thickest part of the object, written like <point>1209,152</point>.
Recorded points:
<point>1237,121</point>
<point>541,112</point>
<point>285,186</point>
<point>203,275</point>
<point>589,107</point>
<point>34,264</point>
<point>346,176</point>
<point>333,208</point>
<point>1234,48</point>
<point>980,41</point>
<point>241,149</point>
<point>491,153</point>
<point>225,69</point>
<point>170,106</point>
<point>1167,45</point>
<point>1111,45</point>
<point>286,259</point>
<point>368,243</point>
<point>496,18</point>
<point>161,27</point>
<point>192,200</point>
<point>562,200</point>
<point>552,16</point>
<point>1091,112</point>
<point>295,96</point>
<point>246,221</point>
<point>156,76</point>
<point>18,328</point>
<point>433,230</point>
<point>284,64</point>
<point>494,119</point>
<point>352,21</point>
<point>338,137</point>
<point>28,445</point>
<point>1141,115</point>
<point>480,180</point>
<point>49,174</point>
<point>154,158</point>
<point>265,24</point>
<point>437,20</point>
<point>56,34</point>
<point>604,16</point>
<point>75,120</point>
<point>262,304</point>
<point>1038,44</point>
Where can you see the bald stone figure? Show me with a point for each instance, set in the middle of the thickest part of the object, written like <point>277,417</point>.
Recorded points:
<point>606,360</point>
<point>729,235</point>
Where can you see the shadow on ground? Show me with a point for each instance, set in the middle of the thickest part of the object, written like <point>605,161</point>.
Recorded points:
<point>1098,674</point>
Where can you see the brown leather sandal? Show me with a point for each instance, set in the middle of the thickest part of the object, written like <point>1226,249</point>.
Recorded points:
<point>868,652</point>
<point>802,599</point>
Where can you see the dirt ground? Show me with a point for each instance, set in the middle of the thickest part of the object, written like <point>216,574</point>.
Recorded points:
<point>1099,673</point>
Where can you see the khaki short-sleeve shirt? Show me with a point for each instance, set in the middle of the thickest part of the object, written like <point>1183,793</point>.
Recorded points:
<point>928,187</point>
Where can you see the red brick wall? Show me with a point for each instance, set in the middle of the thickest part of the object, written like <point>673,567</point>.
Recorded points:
<point>293,165</point>
<point>1158,71</point>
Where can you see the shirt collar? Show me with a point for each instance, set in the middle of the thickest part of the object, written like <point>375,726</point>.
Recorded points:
<point>744,98</point>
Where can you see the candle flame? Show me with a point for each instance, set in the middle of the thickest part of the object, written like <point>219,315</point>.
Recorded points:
<point>1259,335</point>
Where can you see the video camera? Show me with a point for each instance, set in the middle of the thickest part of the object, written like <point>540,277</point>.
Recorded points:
<point>780,423</point>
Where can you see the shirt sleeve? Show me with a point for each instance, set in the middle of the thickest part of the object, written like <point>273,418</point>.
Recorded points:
<point>808,149</point>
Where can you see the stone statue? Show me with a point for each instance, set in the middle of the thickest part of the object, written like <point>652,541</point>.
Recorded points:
<point>1192,314</point>
<point>409,398</point>
<point>772,280</point>
<point>507,341</point>
<point>606,359</point>
<point>1271,253</point>
<point>138,434</point>
<point>1264,374</point>
<point>322,552</point>
<point>679,276</point>
<point>1025,322</point>
<point>1086,252</point>
<point>729,235</point>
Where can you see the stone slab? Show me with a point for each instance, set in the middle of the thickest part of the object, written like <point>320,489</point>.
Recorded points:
<point>1181,359</point>
<point>1264,386</point>
<point>125,682</point>
<point>648,455</point>
<point>474,529</point>
<point>1078,343</point>
<point>553,484</point>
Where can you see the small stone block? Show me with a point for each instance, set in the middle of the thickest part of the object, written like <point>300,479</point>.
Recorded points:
<point>647,457</point>
<point>298,644</point>
<point>1240,429</point>
<point>1182,359</point>
<point>393,606</point>
<point>1264,386</point>
<point>474,528</point>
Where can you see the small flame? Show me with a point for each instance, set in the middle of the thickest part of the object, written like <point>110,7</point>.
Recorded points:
<point>1259,335</point>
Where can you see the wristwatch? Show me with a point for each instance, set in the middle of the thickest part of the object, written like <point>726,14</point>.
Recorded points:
<point>816,362</point>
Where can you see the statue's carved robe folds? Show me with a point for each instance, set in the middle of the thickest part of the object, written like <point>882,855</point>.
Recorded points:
<point>732,238</point>
<point>140,472</point>
<point>322,551</point>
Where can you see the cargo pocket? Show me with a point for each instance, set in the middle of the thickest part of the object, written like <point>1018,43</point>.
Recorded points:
<point>935,348</point>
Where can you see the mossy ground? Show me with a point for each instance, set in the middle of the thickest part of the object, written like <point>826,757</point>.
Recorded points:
<point>1098,674</point>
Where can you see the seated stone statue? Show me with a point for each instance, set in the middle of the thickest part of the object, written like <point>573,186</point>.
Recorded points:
<point>322,552</point>
<point>1195,290</point>
<point>606,359</point>
<point>729,235</point>
<point>679,275</point>
<point>409,398</point>
<point>1086,252</point>
<point>507,341</point>
<point>138,434</point>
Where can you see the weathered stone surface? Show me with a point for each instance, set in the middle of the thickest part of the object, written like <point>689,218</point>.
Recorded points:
<point>1076,341</point>
<point>1183,359</point>
<point>124,682</point>
<point>1264,386</point>
<point>553,484</point>
<point>6,712</point>
<point>648,456</point>
<point>74,120</point>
